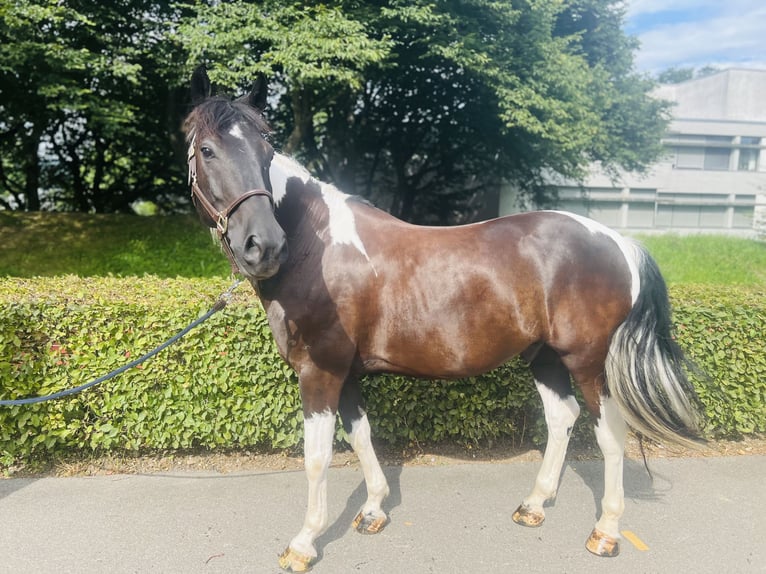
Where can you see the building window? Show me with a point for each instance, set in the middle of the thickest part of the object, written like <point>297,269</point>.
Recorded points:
<point>701,152</point>
<point>641,215</point>
<point>691,210</point>
<point>690,157</point>
<point>748,156</point>
<point>717,159</point>
<point>607,212</point>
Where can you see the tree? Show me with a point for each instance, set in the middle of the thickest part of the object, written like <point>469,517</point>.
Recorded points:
<point>416,104</point>
<point>675,75</point>
<point>85,102</point>
<point>422,104</point>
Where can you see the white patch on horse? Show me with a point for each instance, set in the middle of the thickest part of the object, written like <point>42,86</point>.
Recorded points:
<point>236,131</point>
<point>630,250</point>
<point>281,169</point>
<point>342,224</point>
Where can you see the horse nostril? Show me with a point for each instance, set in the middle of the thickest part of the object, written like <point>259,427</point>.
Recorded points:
<point>251,243</point>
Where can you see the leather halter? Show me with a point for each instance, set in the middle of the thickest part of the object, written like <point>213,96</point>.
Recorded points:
<point>220,218</point>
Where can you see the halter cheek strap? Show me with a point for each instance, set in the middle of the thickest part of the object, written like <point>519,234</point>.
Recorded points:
<point>220,218</point>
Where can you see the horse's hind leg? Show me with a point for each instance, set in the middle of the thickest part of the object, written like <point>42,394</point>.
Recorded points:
<point>611,431</point>
<point>371,519</point>
<point>561,411</point>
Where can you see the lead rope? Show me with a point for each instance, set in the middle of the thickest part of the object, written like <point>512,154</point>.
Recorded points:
<point>222,301</point>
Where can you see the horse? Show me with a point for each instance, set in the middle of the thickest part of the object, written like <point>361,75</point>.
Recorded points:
<point>350,290</point>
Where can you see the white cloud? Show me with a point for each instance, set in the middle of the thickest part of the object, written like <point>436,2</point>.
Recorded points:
<point>724,34</point>
<point>637,7</point>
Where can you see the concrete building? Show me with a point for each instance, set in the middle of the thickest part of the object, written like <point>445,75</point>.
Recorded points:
<point>712,178</point>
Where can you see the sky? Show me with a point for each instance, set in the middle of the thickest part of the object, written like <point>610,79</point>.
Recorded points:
<point>698,33</point>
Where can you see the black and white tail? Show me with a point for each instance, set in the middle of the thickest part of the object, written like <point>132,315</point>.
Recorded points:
<point>646,369</point>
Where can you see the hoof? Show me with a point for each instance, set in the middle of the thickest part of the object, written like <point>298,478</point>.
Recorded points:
<point>526,517</point>
<point>368,524</point>
<point>293,561</point>
<point>602,544</point>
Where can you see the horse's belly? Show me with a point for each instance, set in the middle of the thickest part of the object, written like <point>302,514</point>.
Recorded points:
<point>448,350</point>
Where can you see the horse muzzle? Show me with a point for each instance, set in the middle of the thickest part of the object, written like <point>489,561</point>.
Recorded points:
<point>262,256</point>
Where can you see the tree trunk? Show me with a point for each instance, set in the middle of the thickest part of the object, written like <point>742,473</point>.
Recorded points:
<point>32,172</point>
<point>79,190</point>
<point>303,135</point>
<point>404,199</point>
<point>96,193</point>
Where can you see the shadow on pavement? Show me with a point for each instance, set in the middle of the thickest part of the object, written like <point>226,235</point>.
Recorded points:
<point>354,503</point>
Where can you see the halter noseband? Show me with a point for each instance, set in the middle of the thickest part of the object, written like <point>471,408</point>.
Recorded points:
<point>221,218</point>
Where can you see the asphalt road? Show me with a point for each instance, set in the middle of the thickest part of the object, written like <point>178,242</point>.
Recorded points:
<point>700,515</point>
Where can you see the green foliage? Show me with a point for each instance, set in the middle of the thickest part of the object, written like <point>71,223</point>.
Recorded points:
<point>224,385</point>
<point>483,408</point>
<point>709,259</point>
<point>419,105</point>
<point>47,244</point>
<point>723,328</point>
<point>89,116</point>
<point>678,75</point>
<point>308,44</point>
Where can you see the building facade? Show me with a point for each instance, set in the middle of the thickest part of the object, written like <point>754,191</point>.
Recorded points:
<point>712,178</point>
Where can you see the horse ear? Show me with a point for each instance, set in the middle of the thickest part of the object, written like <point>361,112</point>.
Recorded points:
<point>258,93</point>
<point>200,85</point>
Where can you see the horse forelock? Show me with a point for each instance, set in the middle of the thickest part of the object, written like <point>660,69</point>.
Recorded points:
<point>218,114</point>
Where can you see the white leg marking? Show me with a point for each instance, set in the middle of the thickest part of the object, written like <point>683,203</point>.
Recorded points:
<point>319,432</point>
<point>611,431</point>
<point>560,416</point>
<point>377,486</point>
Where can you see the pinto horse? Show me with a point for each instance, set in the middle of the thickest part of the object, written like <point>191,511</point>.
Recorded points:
<point>350,290</point>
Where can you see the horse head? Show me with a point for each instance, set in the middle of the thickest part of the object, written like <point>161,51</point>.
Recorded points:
<point>229,160</point>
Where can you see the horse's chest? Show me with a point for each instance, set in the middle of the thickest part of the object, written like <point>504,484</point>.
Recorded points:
<point>285,331</point>
<point>299,328</point>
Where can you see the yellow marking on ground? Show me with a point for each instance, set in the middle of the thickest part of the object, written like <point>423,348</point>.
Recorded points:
<point>635,540</point>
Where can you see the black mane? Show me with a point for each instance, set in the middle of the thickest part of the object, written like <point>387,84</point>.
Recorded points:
<point>218,114</point>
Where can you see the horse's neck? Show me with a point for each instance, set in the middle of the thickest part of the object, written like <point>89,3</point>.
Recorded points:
<point>300,212</point>
<point>314,216</point>
<point>306,205</point>
<point>283,172</point>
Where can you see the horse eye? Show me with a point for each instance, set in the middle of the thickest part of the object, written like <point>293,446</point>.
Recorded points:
<point>206,152</point>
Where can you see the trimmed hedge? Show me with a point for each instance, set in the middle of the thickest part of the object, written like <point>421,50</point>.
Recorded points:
<point>224,385</point>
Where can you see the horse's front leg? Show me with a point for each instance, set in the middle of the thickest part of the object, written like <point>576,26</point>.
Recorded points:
<point>319,430</point>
